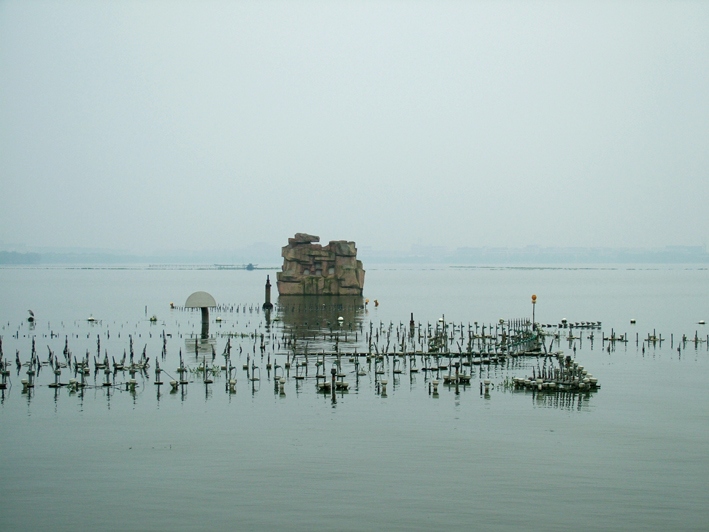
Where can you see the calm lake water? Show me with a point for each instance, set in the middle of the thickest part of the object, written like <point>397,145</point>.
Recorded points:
<point>630,456</point>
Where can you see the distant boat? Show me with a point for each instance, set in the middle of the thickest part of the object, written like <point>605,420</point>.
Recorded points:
<point>250,267</point>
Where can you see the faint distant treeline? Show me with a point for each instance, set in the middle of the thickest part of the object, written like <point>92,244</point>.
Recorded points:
<point>12,257</point>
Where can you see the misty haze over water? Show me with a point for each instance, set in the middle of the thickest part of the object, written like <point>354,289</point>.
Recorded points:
<point>150,127</point>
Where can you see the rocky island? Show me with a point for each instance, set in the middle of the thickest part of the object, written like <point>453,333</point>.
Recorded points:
<point>311,269</point>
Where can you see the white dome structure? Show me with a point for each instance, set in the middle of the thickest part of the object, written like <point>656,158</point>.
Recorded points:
<point>204,301</point>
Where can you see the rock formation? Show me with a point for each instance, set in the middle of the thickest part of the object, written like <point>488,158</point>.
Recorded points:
<point>311,269</point>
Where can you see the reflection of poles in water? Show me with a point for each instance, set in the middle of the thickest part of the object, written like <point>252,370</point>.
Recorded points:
<point>333,372</point>
<point>369,350</point>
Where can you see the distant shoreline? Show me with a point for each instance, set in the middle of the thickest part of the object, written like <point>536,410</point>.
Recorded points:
<point>463,256</point>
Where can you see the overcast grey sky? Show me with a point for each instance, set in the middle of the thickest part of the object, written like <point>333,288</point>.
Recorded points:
<point>150,126</point>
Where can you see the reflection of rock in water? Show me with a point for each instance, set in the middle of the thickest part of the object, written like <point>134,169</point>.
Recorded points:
<point>314,321</point>
<point>199,347</point>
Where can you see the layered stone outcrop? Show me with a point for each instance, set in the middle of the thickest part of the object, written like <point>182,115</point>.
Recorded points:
<point>311,269</point>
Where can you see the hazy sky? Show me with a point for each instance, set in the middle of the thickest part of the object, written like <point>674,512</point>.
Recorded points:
<point>149,126</point>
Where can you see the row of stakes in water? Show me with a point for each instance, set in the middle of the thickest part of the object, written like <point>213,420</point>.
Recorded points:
<point>563,378</point>
<point>569,375</point>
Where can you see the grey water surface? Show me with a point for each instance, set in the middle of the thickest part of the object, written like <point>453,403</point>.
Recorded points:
<point>630,456</point>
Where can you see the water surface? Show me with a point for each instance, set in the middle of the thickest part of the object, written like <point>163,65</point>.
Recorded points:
<point>630,456</point>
